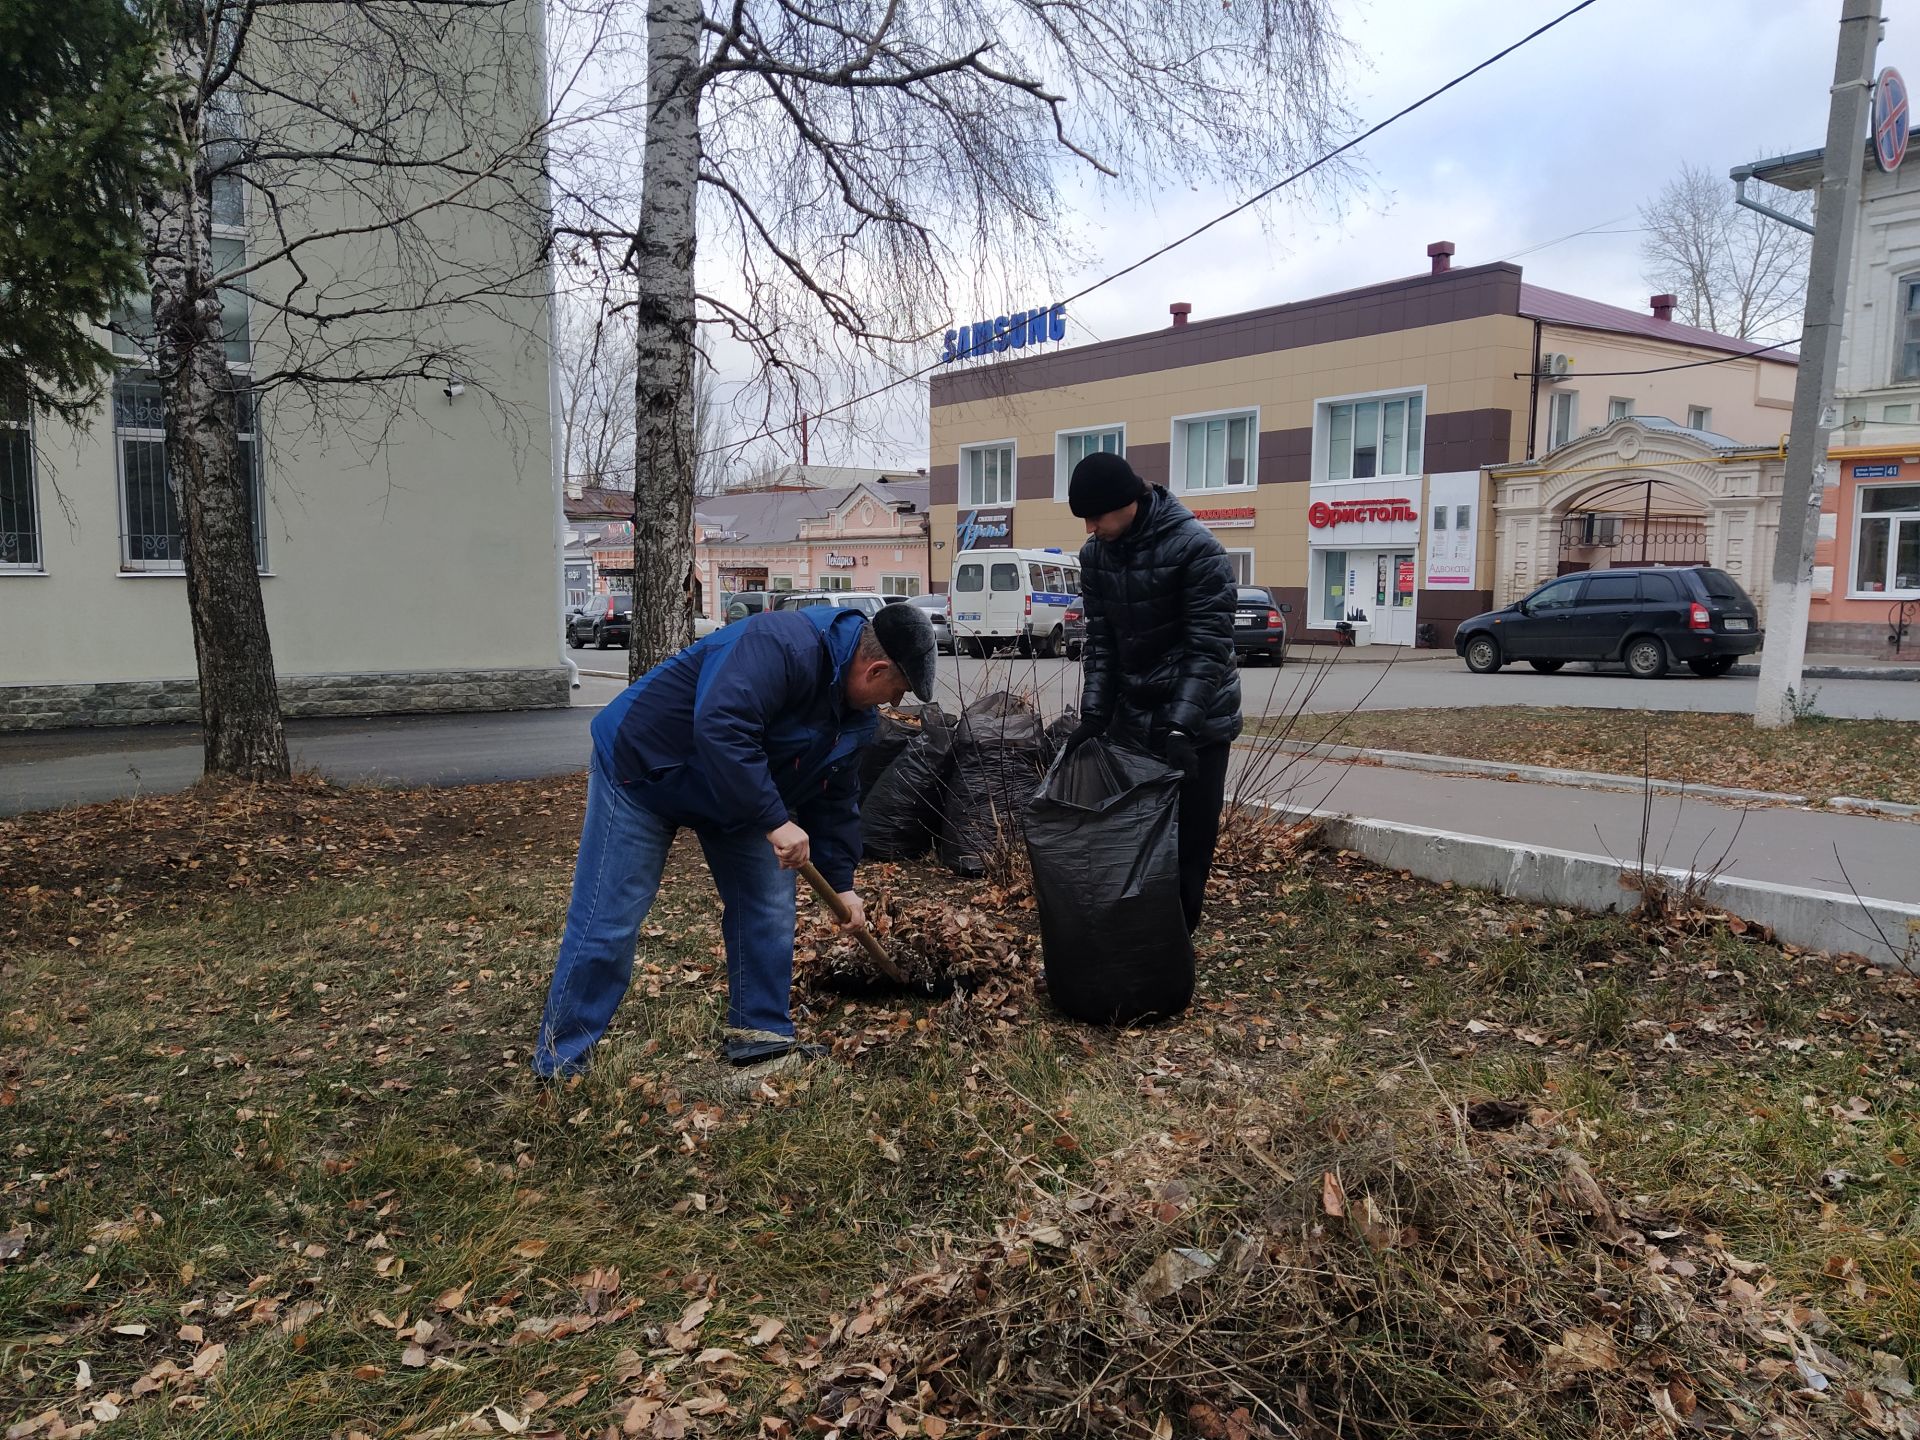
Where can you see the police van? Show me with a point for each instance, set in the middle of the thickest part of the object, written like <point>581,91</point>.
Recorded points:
<point>1015,597</point>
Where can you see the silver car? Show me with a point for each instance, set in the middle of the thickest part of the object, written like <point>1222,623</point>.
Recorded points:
<point>936,608</point>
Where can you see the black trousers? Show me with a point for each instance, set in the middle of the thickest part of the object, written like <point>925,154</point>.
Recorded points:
<point>1202,794</point>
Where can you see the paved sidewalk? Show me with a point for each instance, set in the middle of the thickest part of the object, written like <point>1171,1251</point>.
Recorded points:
<point>1769,845</point>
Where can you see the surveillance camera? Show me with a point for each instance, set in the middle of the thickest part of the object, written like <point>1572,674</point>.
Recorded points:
<point>453,388</point>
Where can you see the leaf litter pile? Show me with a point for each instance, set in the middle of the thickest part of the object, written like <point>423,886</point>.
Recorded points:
<point>1355,1277</point>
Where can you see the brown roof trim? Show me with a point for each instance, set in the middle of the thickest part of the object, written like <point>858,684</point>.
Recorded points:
<point>1409,303</point>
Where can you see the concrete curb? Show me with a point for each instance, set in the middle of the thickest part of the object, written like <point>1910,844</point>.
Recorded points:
<point>1886,932</point>
<point>1538,774</point>
<point>1873,807</point>
<point>1843,672</point>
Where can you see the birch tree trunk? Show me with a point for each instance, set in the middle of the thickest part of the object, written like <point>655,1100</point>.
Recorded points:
<point>239,699</point>
<point>663,254</point>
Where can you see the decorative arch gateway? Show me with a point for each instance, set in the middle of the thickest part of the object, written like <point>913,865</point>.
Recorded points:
<point>1631,487</point>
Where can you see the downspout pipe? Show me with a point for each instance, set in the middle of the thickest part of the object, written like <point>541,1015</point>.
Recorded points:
<point>1533,395</point>
<point>1740,174</point>
<point>556,447</point>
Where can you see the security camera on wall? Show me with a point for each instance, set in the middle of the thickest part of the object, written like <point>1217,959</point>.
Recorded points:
<point>453,388</point>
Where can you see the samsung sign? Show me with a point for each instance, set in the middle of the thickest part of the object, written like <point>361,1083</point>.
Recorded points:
<point>1005,332</point>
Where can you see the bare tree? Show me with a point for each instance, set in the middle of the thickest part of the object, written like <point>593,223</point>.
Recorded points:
<point>865,163</point>
<point>1735,271</point>
<point>382,160</point>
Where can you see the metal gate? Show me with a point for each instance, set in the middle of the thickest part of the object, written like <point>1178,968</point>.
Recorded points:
<point>1593,538</point>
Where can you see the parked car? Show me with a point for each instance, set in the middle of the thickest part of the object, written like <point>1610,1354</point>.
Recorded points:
<point>868,602</point>
<point>1014,597</point>
<point>938,608</point>
<point>1648,619</point>
<point>1073,629</point>
<point>745,603</point>
<point>606,620</point>
<point>1259,625</point>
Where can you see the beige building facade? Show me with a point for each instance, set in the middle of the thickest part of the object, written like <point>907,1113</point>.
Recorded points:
<point>1338,446</point>
<point>418,572</point>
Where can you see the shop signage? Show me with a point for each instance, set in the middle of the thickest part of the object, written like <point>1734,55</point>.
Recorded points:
<point>1876,472</point>
<point>985,529</point>
<point>1237,517</point>
<point>1322,513</point>
<point>1403,582</point>
<point>1005,332</point>
<point>841,562</point>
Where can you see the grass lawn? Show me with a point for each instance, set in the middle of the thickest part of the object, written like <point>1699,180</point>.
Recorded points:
<point>1818,758</point>
<point>1420,1161</point>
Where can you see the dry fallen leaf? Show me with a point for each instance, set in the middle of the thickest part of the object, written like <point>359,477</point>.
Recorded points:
<point>1585,1348</point>
<point>453,1299</point>
<point>1333,1195</point>
<point>530,1249</point>
<point>413,1357</point>
<point>209,1360</point>
<point>694,1314</point>
<point>508,1422</point>
<point>769,1329</point>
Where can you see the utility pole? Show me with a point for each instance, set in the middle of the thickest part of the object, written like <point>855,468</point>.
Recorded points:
<point>1828,268</point>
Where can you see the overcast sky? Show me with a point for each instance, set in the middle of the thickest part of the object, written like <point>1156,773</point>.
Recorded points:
<point>1571,133</point>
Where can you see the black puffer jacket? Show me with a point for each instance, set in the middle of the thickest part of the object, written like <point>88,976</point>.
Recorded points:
<point>1159,647</point>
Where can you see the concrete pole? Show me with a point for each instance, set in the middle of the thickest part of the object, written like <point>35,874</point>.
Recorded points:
<point>1837,207</point>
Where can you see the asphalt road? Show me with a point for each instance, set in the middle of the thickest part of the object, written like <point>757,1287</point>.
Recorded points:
<point>41,771</point>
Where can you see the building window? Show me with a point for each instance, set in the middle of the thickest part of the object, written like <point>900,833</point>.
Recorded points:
<point>152,537</point>
<point>1332,606</point>
<point>1699,417</point>
<point>899,584</point>
<point>1886,551</point>
<point>780,582</point>
<point>1897,415</point>
<point>836,582</point>
<point>1562,413</point>
<point>1619,408</point>
<point>1242,562</point>
<point>1215,452</point>
<point>1907,362</point>
<point>19,511</point>
<point>1368,438</point>
<point>986,474</point>
<point>1073,446</point>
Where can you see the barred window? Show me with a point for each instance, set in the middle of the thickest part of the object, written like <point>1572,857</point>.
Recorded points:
<point>19,511</point>
<point>152,536</point>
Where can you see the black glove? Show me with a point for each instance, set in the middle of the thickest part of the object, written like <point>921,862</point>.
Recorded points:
<point>1182,753</point>
<point>1090,728</point>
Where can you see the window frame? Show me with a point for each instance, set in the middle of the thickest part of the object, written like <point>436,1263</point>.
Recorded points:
<point>130,565</point>
<point>1324,407</point>
<point>1907,329</point>
<point>22,421</point>
<point>1012,473</point>
<point>907,585</point>
<point>1572,398</point>
<point>1062,471</point>
<point>1705,422</point>
<point>1619,407</point>
<point>1896,519</point>
<point>835,581</point>
<point>1234,556</point>
<point>1177,451</point>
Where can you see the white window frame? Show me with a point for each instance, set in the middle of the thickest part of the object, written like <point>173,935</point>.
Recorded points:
<point>1906,324</point>
<point>1323,408</point>
<point>133,566</point>
<point>835,581</point>
<point>1012,475</point>
<point>779,582</point>
<point>908,585</point>
<point>1705,414</point>
<point>1572,428</point>
<point>1619,407</point>
<point>1895,519</point>
<point>1062,471</point>
<point>1177,450</point>
<point>1235,555</point>
<point>23,422</point>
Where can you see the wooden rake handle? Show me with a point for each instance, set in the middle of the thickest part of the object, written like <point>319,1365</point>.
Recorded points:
<point>876,952</point>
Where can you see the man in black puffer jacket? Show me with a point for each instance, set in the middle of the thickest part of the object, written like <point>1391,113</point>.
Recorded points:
<point>1159,595</point>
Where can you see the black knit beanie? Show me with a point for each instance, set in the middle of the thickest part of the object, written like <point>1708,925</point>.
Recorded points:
<point>1101,483</point>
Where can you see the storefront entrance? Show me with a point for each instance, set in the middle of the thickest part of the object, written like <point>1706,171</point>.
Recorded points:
<point>1376,586</point>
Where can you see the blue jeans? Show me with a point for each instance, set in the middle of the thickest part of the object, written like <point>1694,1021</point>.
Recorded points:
<point>623,850</point>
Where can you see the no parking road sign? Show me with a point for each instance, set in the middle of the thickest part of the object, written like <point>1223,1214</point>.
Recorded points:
<point>1890,123</point>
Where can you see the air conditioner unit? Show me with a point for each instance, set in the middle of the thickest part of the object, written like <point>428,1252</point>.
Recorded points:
<point>1601,530</point>
<point>1555,366</point>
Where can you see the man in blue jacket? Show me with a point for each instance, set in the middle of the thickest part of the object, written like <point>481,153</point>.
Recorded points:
<point>750,738</point>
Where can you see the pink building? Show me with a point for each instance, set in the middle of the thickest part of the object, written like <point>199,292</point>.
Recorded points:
<point>867,536</point>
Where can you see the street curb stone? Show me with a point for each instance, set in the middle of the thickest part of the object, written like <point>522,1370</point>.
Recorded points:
<point>1844,672</point>
<point>1886,932</point>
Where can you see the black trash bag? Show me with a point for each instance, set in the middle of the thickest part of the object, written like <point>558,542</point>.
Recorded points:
<point>999,755</point>
<point>1103,837</point>
<point>891,736</point>
<point>900,815</point>
<point>1057,733</point>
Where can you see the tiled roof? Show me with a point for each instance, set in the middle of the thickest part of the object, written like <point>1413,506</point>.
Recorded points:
<point>596,503</point>
<point>1555,306</point>
<point>773,517</point>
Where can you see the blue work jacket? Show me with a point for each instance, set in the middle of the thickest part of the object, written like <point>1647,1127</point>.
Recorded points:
<point>747,729</point>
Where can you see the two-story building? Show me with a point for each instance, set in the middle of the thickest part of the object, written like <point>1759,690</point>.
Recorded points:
<point>1337,444</point>
<point>866,536</point>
